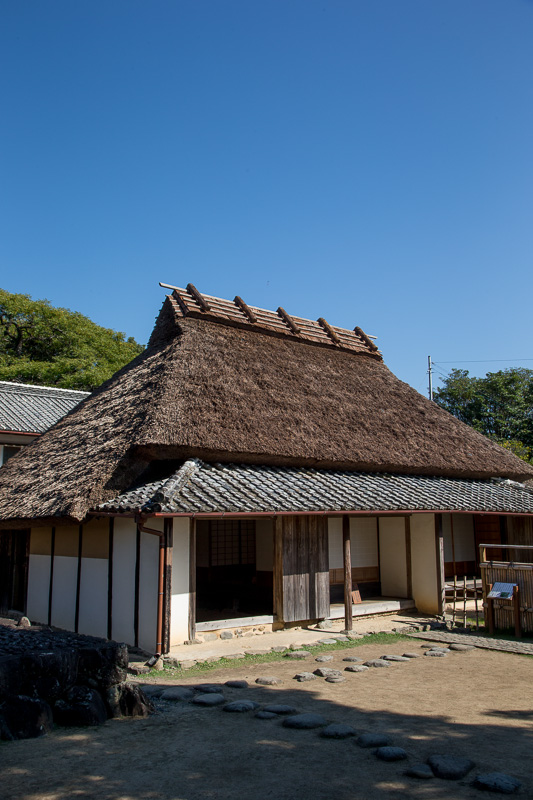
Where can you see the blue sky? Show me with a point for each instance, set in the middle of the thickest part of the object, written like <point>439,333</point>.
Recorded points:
<point>368,162</point>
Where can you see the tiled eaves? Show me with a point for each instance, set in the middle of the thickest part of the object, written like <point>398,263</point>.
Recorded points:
<point>199,488</point>
<point>34,409</point>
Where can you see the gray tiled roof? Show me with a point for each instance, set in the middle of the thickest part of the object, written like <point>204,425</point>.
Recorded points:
<point>34,409</point>
<point>197,487</point>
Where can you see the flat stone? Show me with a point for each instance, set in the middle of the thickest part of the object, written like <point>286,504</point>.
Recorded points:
<point>304,676</point>
<point>279,648</point>
<point>451,768</point>
<point>188,664</point>
<point>209,637</point>
<point>212,659</point>
<point>268,680</point>
<point>209,700</point>
<point>436,653</point>
<point>340,637</point>
<point>304,721</point>
<point>335,679</point>
<point>297,646</point>
<point>356,668</point>
<point>391,753</point>
<point>171,661</point>
<point>193,641</point>
<point>265,715</point>
<point>176,694</point>
<point>239,706</point>
<point>338,731</point>
<point>237,684</point>
<point>323,659</point>
<point>327,672</point>
<point>352,636</point>
<point>327,641</point>
<point>463,648</point>
<point>279,708</point>
<point>395,658</point>
<point>297,655</point>
<point>233,656</point>
<point>376,662</point>
<point>419,771</point>
<point>373,740</point>
<point>208,688</point>
<point>352,658</point>
<point>324,624</point>
<point>411,655</point>
<point>497,782</point>
<point>226,635</point>
<point>256,652</point>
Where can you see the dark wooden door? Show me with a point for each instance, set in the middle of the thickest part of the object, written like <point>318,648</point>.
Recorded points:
<point>13,570</point>
<point>487,530</point>
<point>301,568</point>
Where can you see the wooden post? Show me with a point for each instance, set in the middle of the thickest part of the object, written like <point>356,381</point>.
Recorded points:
<point>439,555</point>
<point>168,536</point>
<point>346,546</point>
<point>408,558</point>
<point>192,579</point>
<point>78,580</point>
<point>110,578</point>
<point>490,610</point>
<point>516,604</point>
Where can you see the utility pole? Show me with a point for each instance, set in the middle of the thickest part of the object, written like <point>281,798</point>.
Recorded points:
<point>430,379</point>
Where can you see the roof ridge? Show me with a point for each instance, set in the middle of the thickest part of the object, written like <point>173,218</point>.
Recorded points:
<point>58,389</point>
<point>177,480</point>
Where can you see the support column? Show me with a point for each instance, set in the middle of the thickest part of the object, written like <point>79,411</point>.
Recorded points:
<point>192,579</point>
<point>439,553</point>
<point>347,551</point>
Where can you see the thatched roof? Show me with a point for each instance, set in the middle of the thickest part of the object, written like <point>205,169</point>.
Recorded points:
<point>231,383</point>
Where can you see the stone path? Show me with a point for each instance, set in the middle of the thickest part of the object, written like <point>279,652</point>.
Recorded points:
<point>505,645</point>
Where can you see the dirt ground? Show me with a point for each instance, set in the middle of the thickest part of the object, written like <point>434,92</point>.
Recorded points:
<point>476,704</point>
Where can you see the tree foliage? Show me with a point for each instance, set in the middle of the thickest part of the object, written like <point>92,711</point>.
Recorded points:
<point>50,346</point>
<point>500,405</point>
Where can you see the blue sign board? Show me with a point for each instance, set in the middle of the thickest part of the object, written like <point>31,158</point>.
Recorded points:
<point>502,590</point>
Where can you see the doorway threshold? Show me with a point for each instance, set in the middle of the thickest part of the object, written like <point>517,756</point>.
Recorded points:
<point>375,605</point>
<point>239,622</point>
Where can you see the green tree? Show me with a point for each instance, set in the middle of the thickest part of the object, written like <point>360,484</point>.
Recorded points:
<point>51,346</point>
<point>500,405</point>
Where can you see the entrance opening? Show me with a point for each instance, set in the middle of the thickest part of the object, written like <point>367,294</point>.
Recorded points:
<point>234,561</point>
<point>13,570</point>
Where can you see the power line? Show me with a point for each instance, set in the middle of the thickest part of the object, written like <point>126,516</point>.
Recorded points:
<point>484,361</point>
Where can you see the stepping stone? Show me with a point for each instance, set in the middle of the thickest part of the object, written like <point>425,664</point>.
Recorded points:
<point>451,768</point>
<point>419,771</point>
<point>268,681</point>
<point>265,715</point>
<point>279,648</point>
<point>279,708</point>
<point>327,672</point>
<point>312,644</point>
<point>237,684</point>
<point>462,648</point>
<point>411,655</point>
<point>337,731</point>
<point>323,659</point>
<point>241,705</point>
<point>497,782</point>
<point>391,753</point>
<point>340,637</point>
<point>256,652</point>
<point>335,679</point>
<point>376,662</point>
<point>352,658</point>
<point>177,694</point>
<point>209,699</point>
<point>327,641</point>
<point>436,653</point>
<point>233,656</point>
<point>208,688</point>
<point>305,676</point>
<point>395,658</point>
<point>304,721</point>
<point>297,654</point>
<point>356,668</point>
<point>296,646</point>
<point>373,740</point>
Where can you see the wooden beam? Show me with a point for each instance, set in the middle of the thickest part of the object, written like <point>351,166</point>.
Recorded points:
<point>168,533</point>
<point>408,559</point>
<point>439,555</point>
<point>288,320</point>
<point>278,568</point>
<point>200,299</point>
<point>346,547</point>
<point>365,338</point>
<point>329,330</point>
<point>192,579</point>
<point>246,310</point>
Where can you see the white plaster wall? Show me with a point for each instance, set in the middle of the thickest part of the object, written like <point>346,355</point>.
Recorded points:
<point>148,588</point>
<point>123,598</point>
<point>179,609</point>
<point>424,563</point>
<point>64,592</point>
<point>38,588</point>
<point>363,542</point>
<point>463,536</point>
<point>93,597</point>
<point>392,556</point>
<point>264,545</point>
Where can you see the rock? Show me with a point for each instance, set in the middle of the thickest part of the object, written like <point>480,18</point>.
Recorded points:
<point>138,669</point>
<point>419,771</point>
<point>280,708</point>
<point>436,653</point>
<point>266,715</point>
<point>268,680</point>
<point>304,721</point>
<point>376,662</point>
<point>394,658</point>
<point>256,652</point>
<point>352,658</point>
<point>212,659</point>
<point>338,731</point>
<point>297,655</point>
<point>81,706</point>
<point>209,700</point>
<point>463,648</point>
<point>323,659</point>
<point>128,700</point>
<point>103,666</point>
<point>239,706</point>
<point>45,675</point>
<point>352,636</point>
<point>209,637</point>
<point>391,753</point>
<point>24,623</point>
<point>373,740</point>
<point>301,677</point>
<point>296,646</point>
<point>411,655</point>
<point>356,668</point>
<point>451,768</point>
<point>177,694</point>
<point>188,664</point>
<point>226,635</point>
<point>279,648</point>
<point>237,684</point>
<point>497,782</point>
<point>324,625</point>
<point>327,672</point>
<point>24,717</point>
<point>159,665</point>
<point>335,679</point>
<point>233,656</point>
<point>171,661</point>
<point>340,637</point>
<point>193,641</point>
<point>152,690</point>
<point>208,688</point>
<point>327,641</point>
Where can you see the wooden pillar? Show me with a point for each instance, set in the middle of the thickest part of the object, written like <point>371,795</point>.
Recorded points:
<point>192,579</point>
<point>439,555</point>
<point>168,537</point>
<point>346,548</point>
<point>51,585</point>
<point>111,536</point>
<point>408,560</point>
<point>78,580</point>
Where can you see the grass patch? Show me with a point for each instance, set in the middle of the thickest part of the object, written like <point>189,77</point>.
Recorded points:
<point>176,673</point>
